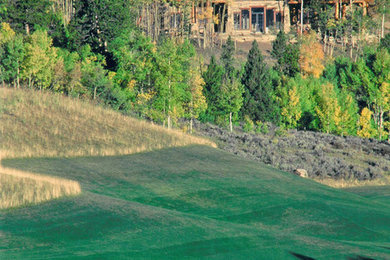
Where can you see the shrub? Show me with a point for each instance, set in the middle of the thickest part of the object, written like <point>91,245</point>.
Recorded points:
<point>262,127</point>
<point>249,126</point>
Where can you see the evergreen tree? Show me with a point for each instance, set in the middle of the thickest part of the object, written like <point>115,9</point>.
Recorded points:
<point>286,55</point>
<point>227,58</point>
<point>213,78</point>
<point>385,42</point>
<point>279,48</point>
<point>98,22</point>
<point>25,15</point>
<point>259,103</point>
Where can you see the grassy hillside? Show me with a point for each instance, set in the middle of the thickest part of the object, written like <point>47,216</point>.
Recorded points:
<point>34,124</point>
<point>43,124</point>
<point>191,202</point>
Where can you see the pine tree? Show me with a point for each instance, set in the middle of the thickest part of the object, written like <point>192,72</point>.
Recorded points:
<point>286,55</point>
<point>25,15</point>
<point>259,103</point>
<point>97,23</point>
<point>279,48</point>
<point>213,78</point>
<point>227,58</point>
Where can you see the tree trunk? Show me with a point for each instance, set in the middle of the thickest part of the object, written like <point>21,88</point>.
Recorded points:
<point>381,123</point>
<point>383,22</point>
<point>191,123</point>
<point>223,18</point>
<point>94,93</point>
<point>230,122</point>
<point>301,17</point>
<point>17,77</point>
<point>169,121</point>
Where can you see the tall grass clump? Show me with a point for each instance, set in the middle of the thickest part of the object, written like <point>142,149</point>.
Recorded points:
<point>19,188</point>
<point>36,124</point>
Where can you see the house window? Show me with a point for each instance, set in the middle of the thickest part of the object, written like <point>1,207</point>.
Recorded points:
<point>237,25</point>
<point>245,19</point>
<point>258,19</point>
<point>175,20</point>
<point>270,18</point>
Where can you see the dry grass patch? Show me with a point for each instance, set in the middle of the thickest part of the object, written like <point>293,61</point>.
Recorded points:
<point>44,124</point>
<point>19,188</point>
<point>341,183</point>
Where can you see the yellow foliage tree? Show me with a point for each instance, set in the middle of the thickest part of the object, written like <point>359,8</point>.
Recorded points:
<point>291,111</point>
<point>38,64</point>
<point>311,58</point>
<point>328,109</point>
<point>197,101</point>
<point>365,127</point>
<point>6,33</point>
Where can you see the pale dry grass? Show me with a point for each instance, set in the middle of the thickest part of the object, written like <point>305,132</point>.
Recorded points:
<point>34,124</point>
<point>353,183</point>
<point>19,188</point>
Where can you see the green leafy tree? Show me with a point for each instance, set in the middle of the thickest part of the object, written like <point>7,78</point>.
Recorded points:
<point>328,109</point>
<point>12,60</point>
<point>259,103</point>
<point>348,115</point>
<point>11,55</point>
<point>93,75</point>
<point>68,73</point>
<point>136,58</point>
<point>379,91</point>
<point>229,101</point>
<point>170,89</point>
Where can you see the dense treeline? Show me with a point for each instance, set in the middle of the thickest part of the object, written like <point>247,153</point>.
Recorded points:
<point>100,54</point>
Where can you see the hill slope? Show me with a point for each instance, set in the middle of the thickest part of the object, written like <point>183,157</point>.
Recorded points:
<point>43,124</point>
<point>191,202</point>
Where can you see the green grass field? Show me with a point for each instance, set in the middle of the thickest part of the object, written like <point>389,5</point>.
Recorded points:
<point>193,202</point>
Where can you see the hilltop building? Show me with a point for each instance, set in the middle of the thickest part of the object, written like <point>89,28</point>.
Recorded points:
<point>246,17</point>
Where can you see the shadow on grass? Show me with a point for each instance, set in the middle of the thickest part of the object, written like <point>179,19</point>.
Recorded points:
<point>359,257</point>
<point>302,257</point>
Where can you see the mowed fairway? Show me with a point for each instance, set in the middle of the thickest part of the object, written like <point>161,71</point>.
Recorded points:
<point>191,201</point>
